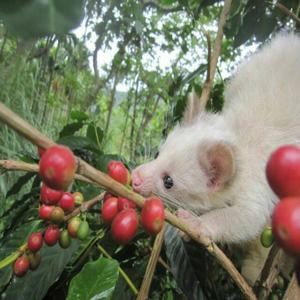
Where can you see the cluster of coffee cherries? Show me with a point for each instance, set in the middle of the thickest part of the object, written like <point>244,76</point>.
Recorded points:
<point>57,168</point>
<point>283,175</point>
<point>121,214</point>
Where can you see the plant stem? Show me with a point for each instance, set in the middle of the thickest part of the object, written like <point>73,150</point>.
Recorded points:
<point>84,207</point>
<point>293,290</point>
<point>213,60</point>
<point>145,287</point>
<point>287,12</point>
<point>123,274</point>
<point>23,166</point>
<point>277,260</point>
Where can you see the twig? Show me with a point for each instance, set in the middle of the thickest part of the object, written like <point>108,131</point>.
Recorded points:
<point>274,264</point>
<point>121,271</point>
<point>162,262</point>
<point>37,138</point>
<point>145,287</point>
<point>208,39</point>
<point>85,206</point>
<point>286,11</point>
<point>216,53</point>
<point>293,290</point>
<point>23,166</point>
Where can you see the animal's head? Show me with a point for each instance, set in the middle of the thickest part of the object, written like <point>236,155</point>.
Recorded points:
<point>195,162</point>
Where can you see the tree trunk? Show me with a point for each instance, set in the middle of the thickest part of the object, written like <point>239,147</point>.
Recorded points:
<point>111,104</point>
<point>147,117</point>
<point>131,149</point>
<point>125,125</point>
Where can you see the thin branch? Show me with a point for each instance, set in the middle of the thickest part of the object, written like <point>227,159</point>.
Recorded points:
<point>270,269</point>
<point>85,206</point>
<point>293,290</point>
<point>275,263</point>
<point>216,53</point>
<point>286,11</point>
<point>37,138</point>
<point>34,168</point>
<point>121,271</point>
<point>208,39</point>
<point>145,287</point>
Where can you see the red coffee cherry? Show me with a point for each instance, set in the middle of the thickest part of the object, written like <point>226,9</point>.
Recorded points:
<point>124,226</point>
<point>153,215</point>
<point>67,202</point>
<point>50,196</point>
<point>51,235</point>
<point>57,167</point>
<point>110,209</point>
<point>35,241</point>
<point>21,266</point>
<point>118,172</point>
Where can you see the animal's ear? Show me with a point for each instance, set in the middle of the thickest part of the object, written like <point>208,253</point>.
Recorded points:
<point>193,108</point>
<point>218,163</point>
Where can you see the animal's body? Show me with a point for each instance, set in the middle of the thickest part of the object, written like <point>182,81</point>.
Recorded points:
<point>216,162</point>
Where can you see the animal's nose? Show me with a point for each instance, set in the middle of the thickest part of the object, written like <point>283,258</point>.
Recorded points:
<point>136,180</point>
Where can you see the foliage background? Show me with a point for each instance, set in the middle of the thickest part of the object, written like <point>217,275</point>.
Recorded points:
<point>59,82</point>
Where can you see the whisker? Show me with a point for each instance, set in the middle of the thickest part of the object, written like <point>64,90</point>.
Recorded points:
<point>165,198</point>
<point>175,203</point>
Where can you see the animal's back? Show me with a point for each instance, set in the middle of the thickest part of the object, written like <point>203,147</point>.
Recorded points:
<point>264,96</point>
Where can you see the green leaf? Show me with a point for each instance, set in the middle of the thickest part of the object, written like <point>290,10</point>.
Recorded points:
<point>78,115</point>
<point>95,134</point>
<point>181,266</point>
<point>70,129</point>
<point>35,284</point>
<point>179,108</point>
<point>19,184</point>
<point>167,2</point>
<point>97,280</point>
<point>36,18</point>
<point>216,101</point>
<point>78,142</point>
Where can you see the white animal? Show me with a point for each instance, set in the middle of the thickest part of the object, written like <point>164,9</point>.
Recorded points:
<point>214,164</point>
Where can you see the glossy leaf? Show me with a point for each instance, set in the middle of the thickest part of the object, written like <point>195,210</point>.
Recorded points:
<point>78,115</point>
<point>181,265</point>
<point>97,280</point>
<point>19,184</point>
<point>77,142</point>
<point>70,129</point>
<point>95,133</point>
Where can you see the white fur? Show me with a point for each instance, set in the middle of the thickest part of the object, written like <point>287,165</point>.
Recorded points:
<point>262,112</point>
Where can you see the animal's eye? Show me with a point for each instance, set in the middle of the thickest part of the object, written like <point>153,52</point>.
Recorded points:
<point>156,154</point>
<point>168,182</point>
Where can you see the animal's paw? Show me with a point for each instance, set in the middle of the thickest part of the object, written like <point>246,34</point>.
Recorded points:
<point>191,221</point>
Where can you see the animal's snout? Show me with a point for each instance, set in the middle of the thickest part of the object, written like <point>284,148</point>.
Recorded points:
<point>136,180</point>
